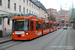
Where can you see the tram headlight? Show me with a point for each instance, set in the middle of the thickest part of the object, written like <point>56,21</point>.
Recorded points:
<point>27,33</point>
<point>12,33</point>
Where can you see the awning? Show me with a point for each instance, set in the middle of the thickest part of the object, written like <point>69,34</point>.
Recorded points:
<point>9,15</point>
<point>72,21</point>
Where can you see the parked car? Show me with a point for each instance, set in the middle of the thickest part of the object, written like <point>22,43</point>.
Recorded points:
<point>65,27</point>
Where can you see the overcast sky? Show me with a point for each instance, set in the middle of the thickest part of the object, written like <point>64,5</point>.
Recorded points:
<point>66,4</point>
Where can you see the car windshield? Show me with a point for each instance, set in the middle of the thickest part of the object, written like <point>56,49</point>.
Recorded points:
<point>64,26</point>
<point>20,25</point>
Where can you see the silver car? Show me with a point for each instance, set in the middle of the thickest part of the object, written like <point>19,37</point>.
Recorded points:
<point>65,27</point>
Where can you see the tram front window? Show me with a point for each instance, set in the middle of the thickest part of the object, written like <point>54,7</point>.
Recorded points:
<point>20,25</point>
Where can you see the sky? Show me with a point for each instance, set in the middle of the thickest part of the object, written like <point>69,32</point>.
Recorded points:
<point>56,4</point>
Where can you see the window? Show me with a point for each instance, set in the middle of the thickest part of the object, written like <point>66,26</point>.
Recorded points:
<point>8,21</point>
<point>30,11</point>
<point>62,16</point>
<point>30,3</point>
<point>27,2</point>
<point>67,22</point>
<point>38,25</point>
<point>63,21</point>
<point>58,25</point>
<point>34,6</point>
<point>24,10</point>
<point>51,25</point>
<point>54,14</point>
<point>45,16</point>
<point>54,25</point>
<point>27,10</point>
<point>31,25</point>
<point>19,8</point>
<point>24,1</point>
<point>14,6</point>
<point>0,2</point>
<point>0,21</point>
<point>46,25</point>
<point>8,3</point>
<point>59,21</point>
<point>20,25</point>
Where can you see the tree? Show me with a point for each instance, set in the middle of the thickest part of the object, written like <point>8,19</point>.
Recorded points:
<point>52,18</point>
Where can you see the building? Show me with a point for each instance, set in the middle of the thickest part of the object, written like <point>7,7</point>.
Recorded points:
<point>42,11</point>
<point>18,6</point>
<point>63,17</point>
<point>53,13</point>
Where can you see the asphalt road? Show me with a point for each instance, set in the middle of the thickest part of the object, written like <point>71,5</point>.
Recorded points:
<point>57,40</point>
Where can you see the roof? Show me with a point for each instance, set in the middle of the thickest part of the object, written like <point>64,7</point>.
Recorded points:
<point>39,4</point>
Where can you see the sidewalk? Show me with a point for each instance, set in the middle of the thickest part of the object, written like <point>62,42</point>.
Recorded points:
<point>4,39</point>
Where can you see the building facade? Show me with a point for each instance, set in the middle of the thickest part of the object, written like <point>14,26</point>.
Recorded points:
<point>20,7</point>
<point>53,13</point>
<point>63,17</point>
<point>42,10</point>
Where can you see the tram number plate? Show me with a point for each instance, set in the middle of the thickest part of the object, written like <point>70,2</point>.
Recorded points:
<point>19,32</point>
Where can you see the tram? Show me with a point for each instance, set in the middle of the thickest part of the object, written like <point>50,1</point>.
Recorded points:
<point>27,27</point>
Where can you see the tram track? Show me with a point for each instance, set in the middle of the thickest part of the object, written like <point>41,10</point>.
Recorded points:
<point>5,41</point>
<point>52,40</point>
<point>60,41</point>
<point>9,44</point>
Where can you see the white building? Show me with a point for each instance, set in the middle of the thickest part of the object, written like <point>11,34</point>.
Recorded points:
<point>18,6</point>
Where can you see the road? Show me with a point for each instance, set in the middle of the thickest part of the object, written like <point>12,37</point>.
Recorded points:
<point>57,40</point>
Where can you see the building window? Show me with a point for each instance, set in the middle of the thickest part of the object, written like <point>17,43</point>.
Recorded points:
<point>8,3</point>
<point>45,16</point>
<point>30,11</point>
<point>24,10</point>
<point>62,16</point>
<point>67,22</point>
<point>30,3</point>
<point>0,2</point>
<point>19,8</point>
<point>34,6</point>
<point>63,21</point>
<point>8,21</point>
<point>27,2</point>
<point>59,21</point>
<point>24,1</point>
<point>27,10</point>
<point>0,21</point>
<point>14,6</point>
<point>32,26</point>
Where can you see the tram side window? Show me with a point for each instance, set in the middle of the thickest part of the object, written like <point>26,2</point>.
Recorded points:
<point>38,25</point>
<point>51,25</point>
<point>54,25</point>
<point>31,25</point>
<point>0,21</point>
<point>46,25</point>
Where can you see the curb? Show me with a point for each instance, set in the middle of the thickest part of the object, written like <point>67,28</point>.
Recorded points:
<point>3,41</point>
